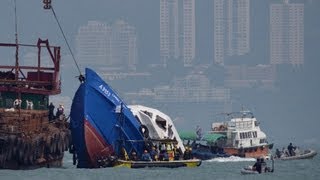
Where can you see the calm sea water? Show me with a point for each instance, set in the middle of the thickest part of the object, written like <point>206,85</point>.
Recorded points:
<point>213,169</point>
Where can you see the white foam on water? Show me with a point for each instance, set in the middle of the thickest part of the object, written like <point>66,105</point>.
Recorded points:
<point>231,159</point>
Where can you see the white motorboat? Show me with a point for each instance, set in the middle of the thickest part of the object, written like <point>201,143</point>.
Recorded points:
<point>244,136</point>
<point>306,154</point>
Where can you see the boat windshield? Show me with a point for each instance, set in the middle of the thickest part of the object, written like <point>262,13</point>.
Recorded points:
<point>233,115</point>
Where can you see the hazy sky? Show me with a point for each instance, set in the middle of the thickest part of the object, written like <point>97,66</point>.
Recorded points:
<point>293,107</point>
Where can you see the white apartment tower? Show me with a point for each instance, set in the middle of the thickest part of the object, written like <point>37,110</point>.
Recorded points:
<point>177,30</point>
<point>123,45</point>
<point>231,28</point>
<point>169,30</point>
<point>93,44</point>
<point>287,33</point>
<point>101,45</point>
<point>189,29</point>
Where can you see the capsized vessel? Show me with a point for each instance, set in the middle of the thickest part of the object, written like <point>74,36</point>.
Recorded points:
<point>102,125</point>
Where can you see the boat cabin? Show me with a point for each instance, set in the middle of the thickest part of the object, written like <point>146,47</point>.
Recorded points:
<point>158,124</point>
<point>241,131</point>
<point>30,83</point>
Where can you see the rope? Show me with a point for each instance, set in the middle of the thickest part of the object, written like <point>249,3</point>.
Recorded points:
<point>65,39</point>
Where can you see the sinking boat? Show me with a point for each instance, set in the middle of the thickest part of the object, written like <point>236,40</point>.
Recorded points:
<point>244,136</point>
<point>165,164</point>
<point>101,124</point>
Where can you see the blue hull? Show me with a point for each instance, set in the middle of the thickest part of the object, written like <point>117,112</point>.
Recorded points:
<point>101,123</point>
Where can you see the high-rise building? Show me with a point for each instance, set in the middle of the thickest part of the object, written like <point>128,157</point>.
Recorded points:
<point>177,30</point>
<point>189,30</point>
<point>169,30</point>
<point>92,44</point>
<point>123,45</point>
<point>231,28</point>
<point>100,45</point>
<point>287,33</point>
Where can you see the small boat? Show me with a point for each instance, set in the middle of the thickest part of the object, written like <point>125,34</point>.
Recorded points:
<point>244,138</point>
<point>205,147</point>
<point>306,154</point>
<point>249,169</point>
<point>166,164</point>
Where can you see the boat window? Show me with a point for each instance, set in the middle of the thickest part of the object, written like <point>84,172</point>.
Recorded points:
<point>241,135</point>
<point>262,141</point>
<point>250,135</point>
<point>148,113</point>
<point>255,134</point>
<point>231,124</point>
<point>256,123</point>
<point>161,122</point>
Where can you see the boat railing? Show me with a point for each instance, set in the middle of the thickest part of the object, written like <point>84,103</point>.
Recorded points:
<point>40,78</point>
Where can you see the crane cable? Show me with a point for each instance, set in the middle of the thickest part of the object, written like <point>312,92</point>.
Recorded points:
<point>81,77</point>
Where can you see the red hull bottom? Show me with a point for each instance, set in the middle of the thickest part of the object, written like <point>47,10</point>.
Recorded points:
<point>249,152</point>
<point>96,146</point>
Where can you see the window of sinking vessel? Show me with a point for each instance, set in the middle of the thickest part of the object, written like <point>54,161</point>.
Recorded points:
<point>148,113</point>
<point>161,122</point>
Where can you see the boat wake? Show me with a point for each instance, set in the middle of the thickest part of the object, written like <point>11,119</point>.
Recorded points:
<point>231,159</point>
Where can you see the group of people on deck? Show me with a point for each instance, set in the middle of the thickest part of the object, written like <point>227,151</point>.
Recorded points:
<point>17,104</point>
<point>165,152</point>
<point>290,151</point>
<point>59,113</point>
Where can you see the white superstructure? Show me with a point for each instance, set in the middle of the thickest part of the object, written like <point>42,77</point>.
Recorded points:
<point>242,130</point>
<point>160,125</point>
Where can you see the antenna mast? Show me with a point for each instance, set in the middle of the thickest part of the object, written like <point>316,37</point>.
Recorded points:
<point>16,41</point>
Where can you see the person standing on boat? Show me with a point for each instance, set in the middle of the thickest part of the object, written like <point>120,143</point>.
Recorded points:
<point>154,153</point>
<point>146,156</point>
<point>263,165</point>
<point>17,103</point>
<point>188,153</point>
<point>278,153</point>
<point>29,105</point>
<point>257,166</point>
<point>60,112</point>
<point>291,149</point>
<point>177,152</point>
<point>51,111</point>
<point>199,132</point>
<point>134,156</point>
